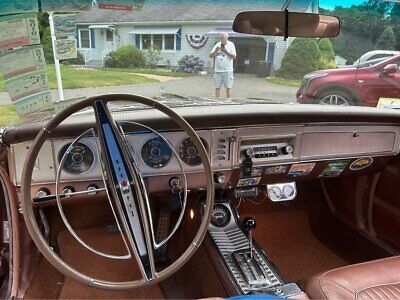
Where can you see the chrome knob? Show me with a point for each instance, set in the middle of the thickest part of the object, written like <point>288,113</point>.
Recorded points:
<point>42,192</point>
<point>90,188</point>
<point>219,177</point>
<point>67,190</point>
<point>287,149</point>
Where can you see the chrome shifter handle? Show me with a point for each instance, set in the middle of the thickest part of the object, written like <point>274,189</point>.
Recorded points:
<point>248,225</point>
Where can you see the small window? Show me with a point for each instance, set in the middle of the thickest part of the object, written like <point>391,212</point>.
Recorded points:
<point>146,41</point>
<point>169,42</point>
<point>157,41</point>
<point>84,36</point>
<point>109,36</point>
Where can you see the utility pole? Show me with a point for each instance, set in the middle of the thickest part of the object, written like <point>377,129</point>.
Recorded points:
<point>56,61</point>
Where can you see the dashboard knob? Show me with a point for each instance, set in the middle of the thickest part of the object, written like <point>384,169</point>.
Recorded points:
<point>42,192</point>
<point>92,187</point>
<point>219,177</point>
<point>249,224</point>
<point>287,149</point>
<point>68,190</point>
<point>249,152</point>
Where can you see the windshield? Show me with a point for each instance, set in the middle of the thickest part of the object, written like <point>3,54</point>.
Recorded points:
<point>184,52</point>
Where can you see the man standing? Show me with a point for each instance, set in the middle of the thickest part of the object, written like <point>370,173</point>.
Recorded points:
<point>224,53</point>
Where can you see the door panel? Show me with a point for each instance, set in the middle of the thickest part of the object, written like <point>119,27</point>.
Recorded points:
<point>386,207</point>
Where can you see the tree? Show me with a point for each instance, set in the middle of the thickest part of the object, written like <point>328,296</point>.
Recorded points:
<point>303,56</point>
<point>47,46</point>
<point>387,40</point>
<point>327,54</point>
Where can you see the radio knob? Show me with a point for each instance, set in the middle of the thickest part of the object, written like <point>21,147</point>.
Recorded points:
<point>249,152</point>
<point>287,149</point>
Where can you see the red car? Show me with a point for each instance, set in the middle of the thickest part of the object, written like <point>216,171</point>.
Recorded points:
<point>352,86</point>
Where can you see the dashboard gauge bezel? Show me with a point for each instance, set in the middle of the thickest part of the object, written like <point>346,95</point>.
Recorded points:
<point>171,155</point>
<point>180,144</point>
<point>66,145</point>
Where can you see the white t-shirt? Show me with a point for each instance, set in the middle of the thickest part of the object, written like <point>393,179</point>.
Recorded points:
<point>223,63</point>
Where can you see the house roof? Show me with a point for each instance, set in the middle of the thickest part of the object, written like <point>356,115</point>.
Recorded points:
<point>177,11</point>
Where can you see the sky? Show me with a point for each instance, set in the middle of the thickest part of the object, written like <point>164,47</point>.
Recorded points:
<point>332,3</point>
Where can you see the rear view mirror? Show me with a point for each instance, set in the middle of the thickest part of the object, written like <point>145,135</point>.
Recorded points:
<point>287,24</point>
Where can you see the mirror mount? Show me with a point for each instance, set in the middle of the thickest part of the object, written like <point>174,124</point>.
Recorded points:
<point>286,24</point>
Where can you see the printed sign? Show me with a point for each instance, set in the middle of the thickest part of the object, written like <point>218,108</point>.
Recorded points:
<point>34,103</point>
<point>361,163</point>
<point>391,103</point>
<point>8,7</point>
<point>248,181</point>
<point>276,169</point>
<point>334,169</point>
<point>64,25</point>
<point>26,85</point>
<point>121,4</point>
<point>61,105</point>
<point>66,49</point>
<point>66,5</point>
<point>301,169</point>
<point>21,61</point>
<point>255,172</point>
<point>18,30</point>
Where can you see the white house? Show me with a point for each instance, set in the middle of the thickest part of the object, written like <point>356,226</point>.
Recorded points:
<point>182,27</point>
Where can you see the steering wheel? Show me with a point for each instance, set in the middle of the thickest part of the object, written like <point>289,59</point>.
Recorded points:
<point>124,185</point>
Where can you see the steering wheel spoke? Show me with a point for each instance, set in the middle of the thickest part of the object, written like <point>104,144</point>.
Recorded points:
<point>124,186</point>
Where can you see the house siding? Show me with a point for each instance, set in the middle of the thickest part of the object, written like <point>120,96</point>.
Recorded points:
<point>122,37</point>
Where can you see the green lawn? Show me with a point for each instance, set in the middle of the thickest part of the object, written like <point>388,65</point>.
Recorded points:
<point>74,78</point>
<point>162,72</point>
<point>8,115</point>
<point>282,81</point>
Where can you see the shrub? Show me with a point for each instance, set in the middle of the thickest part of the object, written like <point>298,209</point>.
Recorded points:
<point>327,60</point>
<point>189,64</point>
<point>125,57</point>
<point>152,56</point>
<point>80,60</point>
<point>109,60</point>
<point>387,40</point>
<point>303,56</point>
<point>47,46</point>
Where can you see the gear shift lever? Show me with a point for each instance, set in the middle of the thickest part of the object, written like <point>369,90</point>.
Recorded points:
<point>249,224</point>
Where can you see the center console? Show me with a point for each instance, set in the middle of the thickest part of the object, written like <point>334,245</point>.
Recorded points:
<point>247,264</point>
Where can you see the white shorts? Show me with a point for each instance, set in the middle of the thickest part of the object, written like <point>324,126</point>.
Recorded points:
<point>225,78</point>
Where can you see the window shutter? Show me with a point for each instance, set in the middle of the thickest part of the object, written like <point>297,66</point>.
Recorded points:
<point>137,40</point>
<point>271,51</point>
<point>179,40</point>
<point>92,38</point>
<point>77,38</point>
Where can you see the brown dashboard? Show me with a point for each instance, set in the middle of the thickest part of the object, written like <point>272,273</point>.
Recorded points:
<point>278,151</point>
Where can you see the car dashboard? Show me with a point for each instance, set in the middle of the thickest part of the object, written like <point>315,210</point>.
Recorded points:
<point>279,152</point>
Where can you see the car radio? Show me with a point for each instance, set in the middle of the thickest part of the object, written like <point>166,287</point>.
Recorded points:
<point>263,150</point>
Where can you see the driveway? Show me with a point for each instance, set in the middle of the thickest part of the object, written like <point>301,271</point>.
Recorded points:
<point>202,86</point>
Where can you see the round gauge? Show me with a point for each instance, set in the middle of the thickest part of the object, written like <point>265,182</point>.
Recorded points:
<point>156,153</point>
<point>275,193</point>
<point>188,152</point>
<point>288,191</point>
<point>79,159</point>
<point>220,216</point>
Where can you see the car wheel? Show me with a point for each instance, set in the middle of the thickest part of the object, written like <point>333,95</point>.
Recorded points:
<point>335,97</point>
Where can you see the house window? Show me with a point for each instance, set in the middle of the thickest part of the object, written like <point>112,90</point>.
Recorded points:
<point>146,41</point>
<point>161,41</point>
<point>109,35</point>
<point>169,42</point>
<point>158,41</point>
<point>84,38</point>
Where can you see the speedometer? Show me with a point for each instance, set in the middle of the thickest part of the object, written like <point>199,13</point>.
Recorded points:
<point>156,153</point>
<point>188,152</point>
<point>79,159</point>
